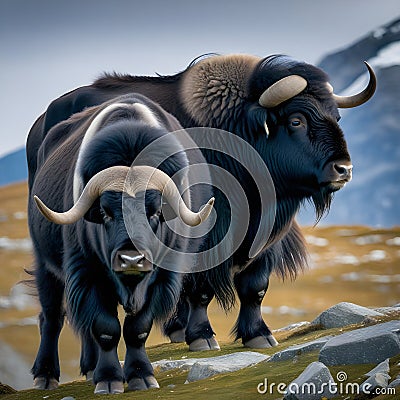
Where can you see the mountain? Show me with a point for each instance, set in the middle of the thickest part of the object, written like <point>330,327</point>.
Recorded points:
<point>13,167</point>
<point>372,130</point>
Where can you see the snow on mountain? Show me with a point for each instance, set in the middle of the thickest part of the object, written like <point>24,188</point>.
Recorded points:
<point>388,56</point>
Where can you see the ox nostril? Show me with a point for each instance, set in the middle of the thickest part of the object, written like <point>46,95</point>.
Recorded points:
<point>343,170</point>
<point>340,169</point>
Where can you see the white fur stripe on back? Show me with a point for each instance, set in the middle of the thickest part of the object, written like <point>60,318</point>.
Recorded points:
<point>144,114</point>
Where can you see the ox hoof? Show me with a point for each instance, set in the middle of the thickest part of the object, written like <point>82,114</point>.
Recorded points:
<point>177,336</point>
<point>204,345</point>
<point>143,383</point>
<point>105,387</point>
<point>45,383</point>
<point>261,342</point>
<point>89,376</point>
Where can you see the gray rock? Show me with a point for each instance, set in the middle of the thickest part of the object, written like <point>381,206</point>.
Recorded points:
<point>206,367</point>
<point>370,345</point>
<point>165,365</point>
<point>313,383</point>
<point>343,314</point>
<point>383,367</point>
<point>379,380</point>
<point>299,349</point>
<point>388,310</point>
<point>290,327</point>
<point>395,383</point>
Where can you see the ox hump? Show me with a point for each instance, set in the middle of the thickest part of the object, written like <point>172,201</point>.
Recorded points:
<point>212,88</point>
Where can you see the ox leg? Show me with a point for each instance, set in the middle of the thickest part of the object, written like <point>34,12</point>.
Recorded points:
<point>251,285</point>
<point>89,356</point>
<point>199,333</point>
<point>46,368</point>
<point>175,327</point>
<point>137,367</point>
<point>107,376</point>
<point>93,303</point>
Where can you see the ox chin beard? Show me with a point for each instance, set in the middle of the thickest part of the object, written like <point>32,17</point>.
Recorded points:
<point>322,203</point>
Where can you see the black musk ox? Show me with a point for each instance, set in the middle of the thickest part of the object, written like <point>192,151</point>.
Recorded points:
<point>85,255</point>
<point>288,112</point>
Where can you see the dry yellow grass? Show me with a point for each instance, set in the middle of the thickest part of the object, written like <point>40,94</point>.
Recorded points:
<point>13,199</point>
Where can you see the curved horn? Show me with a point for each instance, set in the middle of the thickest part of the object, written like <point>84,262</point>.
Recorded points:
<point>145,177</point>
<point>113,179</point>
<point>360,98</point>
<point>283,90</point>
<point>109,179</point>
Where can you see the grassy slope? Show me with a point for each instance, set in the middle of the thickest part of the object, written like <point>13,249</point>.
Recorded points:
<point>238,385</point>
<point>308,293</point>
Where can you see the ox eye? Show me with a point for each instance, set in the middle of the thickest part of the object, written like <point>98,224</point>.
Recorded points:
<point>155,219</point>
<point>296,122</point>
<point>106,215</point>
<point>156,215</point>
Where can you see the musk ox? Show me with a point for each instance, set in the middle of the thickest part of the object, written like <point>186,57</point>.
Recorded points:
<point>288,112</point>
<point>85,256</point>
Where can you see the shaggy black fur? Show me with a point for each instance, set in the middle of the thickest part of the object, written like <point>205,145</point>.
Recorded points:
<point>295,161</point>
<point>77,258</point>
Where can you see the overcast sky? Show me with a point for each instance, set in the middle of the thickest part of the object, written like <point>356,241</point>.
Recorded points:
<point>48,47</point>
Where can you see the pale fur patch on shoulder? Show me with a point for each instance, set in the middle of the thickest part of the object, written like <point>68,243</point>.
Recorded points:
<point>144,114</point>
<point>214,86</point>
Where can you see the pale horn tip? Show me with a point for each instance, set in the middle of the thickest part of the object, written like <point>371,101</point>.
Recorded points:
<point>46,212</point>
<point>52,216</point>
<point>40,205</point>
<point>205,211</point>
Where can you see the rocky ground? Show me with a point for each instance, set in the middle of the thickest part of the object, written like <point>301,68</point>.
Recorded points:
<point>346,352</point>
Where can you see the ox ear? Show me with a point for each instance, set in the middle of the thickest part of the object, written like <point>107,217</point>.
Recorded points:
<point>94,215</point>
<point>257,120</point>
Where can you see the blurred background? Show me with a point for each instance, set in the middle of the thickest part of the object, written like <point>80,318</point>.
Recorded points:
<point>50,47</point>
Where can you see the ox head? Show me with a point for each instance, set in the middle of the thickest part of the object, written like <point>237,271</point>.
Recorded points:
<point>105,189</point>
<point>307,150</point>
<point>287,102</point>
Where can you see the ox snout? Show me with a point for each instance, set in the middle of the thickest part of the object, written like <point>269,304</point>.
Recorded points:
<point>131,262</point>
<point>336,174</point>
